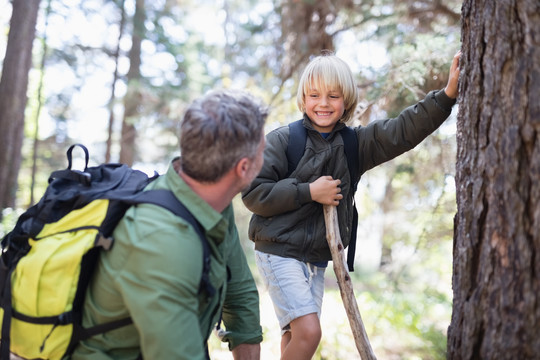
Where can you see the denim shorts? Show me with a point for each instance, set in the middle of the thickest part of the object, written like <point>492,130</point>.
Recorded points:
<point>296,288</point>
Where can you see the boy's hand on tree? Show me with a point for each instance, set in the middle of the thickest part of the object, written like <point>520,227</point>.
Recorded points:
<point>326,191</point>
<point>451,88</point>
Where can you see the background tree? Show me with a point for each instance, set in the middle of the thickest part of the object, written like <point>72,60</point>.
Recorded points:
<point>496,310</point>
<point>116,57</point>
<point>133,97</point>
<point>39,100</point>
<point>13,86</point>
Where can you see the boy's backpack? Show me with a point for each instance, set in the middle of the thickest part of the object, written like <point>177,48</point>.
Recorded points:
<point>48,258</point>
<point>295,150</point>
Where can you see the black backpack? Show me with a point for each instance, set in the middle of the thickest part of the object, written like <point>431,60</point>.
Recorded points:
<point>295,150</point>
<point>76,216</point>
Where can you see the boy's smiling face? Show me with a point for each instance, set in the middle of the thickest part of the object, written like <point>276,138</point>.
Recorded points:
<point>324,106</point>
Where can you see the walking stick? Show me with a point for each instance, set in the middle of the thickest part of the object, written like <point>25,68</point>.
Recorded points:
<point>345,285</point>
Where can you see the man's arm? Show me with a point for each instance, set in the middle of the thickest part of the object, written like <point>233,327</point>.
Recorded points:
<point>241,308</point>
<point>159,285</point>
<point>247,352</point>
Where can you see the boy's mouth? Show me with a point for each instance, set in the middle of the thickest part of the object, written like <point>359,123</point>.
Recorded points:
<point>323,113</point>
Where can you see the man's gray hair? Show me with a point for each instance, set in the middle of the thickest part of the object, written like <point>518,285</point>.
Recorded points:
<point>218,130</point>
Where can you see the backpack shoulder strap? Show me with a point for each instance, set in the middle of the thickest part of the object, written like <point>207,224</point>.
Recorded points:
<point>350,142</point>
<point>167,200</point>
<point>295,149</point>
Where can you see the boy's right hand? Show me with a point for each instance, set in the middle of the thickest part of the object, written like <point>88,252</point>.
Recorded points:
<point>451,88</point>
<point>326,191</point>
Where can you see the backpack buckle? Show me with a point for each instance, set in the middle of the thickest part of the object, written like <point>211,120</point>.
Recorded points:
<point>105,242</point>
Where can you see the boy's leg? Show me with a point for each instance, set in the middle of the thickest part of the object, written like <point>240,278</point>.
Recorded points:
<point>296,290</point>
<point>285,339</point>
<point>305,336</point>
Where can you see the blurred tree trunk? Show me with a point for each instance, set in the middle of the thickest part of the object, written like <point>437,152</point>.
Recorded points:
<point>13,98</point>
<point>133,96</point>
<point>496,280</point>
<point>304,27</point>
<point>115,79</point>
<point>39,96</point>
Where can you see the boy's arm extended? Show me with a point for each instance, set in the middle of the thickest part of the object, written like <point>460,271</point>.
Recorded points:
<point>383,140</point>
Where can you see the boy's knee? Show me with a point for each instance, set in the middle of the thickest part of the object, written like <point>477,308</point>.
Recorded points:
<point>307,328</point>
<point>314,334</point>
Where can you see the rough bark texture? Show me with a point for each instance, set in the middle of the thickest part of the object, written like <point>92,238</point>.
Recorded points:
<point>496,310</point>
<point>13,86</point>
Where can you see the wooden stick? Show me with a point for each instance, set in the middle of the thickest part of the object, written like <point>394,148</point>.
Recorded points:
<point>345,285</point>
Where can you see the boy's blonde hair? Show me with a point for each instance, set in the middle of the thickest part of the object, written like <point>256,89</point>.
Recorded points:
<point>327,71</point>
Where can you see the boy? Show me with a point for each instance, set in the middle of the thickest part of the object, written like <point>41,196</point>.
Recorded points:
<point>287,225</point>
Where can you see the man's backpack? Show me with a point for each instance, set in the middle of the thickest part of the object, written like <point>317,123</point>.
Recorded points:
<point>295,150</point>
<point>48,258</point>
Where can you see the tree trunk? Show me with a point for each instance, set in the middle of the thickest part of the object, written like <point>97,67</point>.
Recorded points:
<point>304,28</point>
<point>39,96</point>
<point>132,100</point>
<point>13,87</point>
<point>496,279</point>
<point>115,79</point>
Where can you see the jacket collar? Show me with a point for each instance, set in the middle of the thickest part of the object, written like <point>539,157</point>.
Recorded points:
<point>309,125</point>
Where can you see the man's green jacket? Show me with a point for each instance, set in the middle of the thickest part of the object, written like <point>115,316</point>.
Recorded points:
<point>152,274</point>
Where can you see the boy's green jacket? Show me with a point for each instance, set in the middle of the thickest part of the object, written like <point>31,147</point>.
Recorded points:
<point>152,274</point>
<point>286,222</point>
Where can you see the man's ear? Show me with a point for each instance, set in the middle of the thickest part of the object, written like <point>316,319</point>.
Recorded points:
<point>242,167</point>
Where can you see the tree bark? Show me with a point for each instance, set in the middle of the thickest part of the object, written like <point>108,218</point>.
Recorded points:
<point>496,310</point>
<point>132,100</point>
<point>13,97</point>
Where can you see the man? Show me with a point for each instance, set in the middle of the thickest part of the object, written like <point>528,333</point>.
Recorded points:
<point>152,273</point>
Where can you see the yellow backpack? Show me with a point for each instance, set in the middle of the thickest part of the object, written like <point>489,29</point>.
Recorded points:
<point>48,258</point>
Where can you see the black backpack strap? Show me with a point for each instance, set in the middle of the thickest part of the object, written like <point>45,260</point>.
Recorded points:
<point>82,177</point>
<point>350,142</point>
<point>81,333</point>
<point>167,200</point>
<point>6,320</point>
<point>295,149</point>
